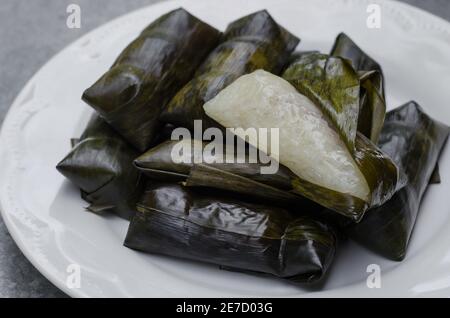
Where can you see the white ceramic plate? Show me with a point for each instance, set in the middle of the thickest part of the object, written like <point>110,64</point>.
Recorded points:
<point>46,216</point>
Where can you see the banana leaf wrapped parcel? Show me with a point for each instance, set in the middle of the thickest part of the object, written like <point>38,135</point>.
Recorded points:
<point>372,95</point>
<point>414,140</point>
<point>250,43</point>
<point>197,167</point>
<point>346,48</point>
<point>149,72</point>
<point>212,227</point>
<point>337,88</point>
<point>101,165</point>
<point>341,170</point>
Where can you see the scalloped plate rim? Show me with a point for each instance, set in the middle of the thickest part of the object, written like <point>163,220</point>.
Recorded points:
<point>437,22</point>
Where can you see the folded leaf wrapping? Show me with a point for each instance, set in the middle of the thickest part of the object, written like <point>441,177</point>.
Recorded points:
<point>326,170</point>
<point>161,158</point>
<point>349,87</point>
<point>345,47</point>
<point>250,43</point>
<point>101,165</point>
<point>149,72</point>
<point>240,176</point>
<point>372,96</point>
<point>373,105</point>
<point>214,228</point>
<point>414,140</point>
<point>333,84</point>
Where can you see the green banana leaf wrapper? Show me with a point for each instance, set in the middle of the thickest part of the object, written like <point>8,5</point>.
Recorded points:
<point>380,172</point>
<point>372,95</point>
<point>373,105</point>
<point>283,188</point>
<point>241,176</point>
<point>334,86</point>
<point>250,43</point>
<point>414,140</point>
<point>101,165</point>
<point>149,72</point>
<point>345,47</point>
<point>435,176</point>
<point>212,227</point>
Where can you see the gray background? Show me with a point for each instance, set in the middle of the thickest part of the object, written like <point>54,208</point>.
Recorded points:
<point>31,32</point>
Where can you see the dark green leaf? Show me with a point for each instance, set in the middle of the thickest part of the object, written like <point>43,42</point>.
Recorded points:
<point>333,89</point>
<point>373,106</point>
<point>202,175</point>
<point>252,42</point>
<point>333,85</point>
<point>414,141</point>
<point>347,48</point>
<point>215,228</point>
<point>101,165</point>
<point>282,188</point>
<point>149,72</point>
<point>236,177</point>
<point>435,176</point>
<point>160,158</point>
<point>379,171</point>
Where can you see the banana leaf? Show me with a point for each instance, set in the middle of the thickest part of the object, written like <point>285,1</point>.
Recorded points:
<point>435,176</point>
<point>101,165</point>
<point>373,100</point>
<point>325,171</point>
<point>349,97</point>
<point>345,47</point>
<point>333,84</point>
<point>212,227</point>
<point>252,42</point>
<point>200,168</point>
<point>149,72</point>
<point>160,158</point>
<point>373,105</point>
<point>414,140</point>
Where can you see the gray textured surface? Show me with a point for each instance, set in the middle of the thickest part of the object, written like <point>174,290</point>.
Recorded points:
<point>31,33</point>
